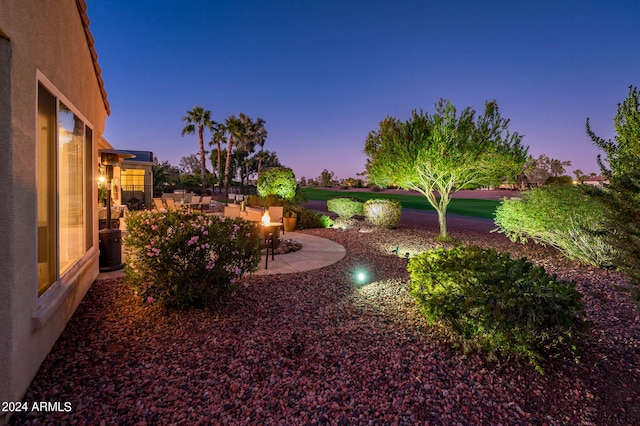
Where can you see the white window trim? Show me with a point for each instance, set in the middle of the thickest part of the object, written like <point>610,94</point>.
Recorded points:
<point>47,304</point>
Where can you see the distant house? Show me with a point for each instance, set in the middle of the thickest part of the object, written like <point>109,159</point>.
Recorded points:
<point>133,181</point>
<point>596,181</point>
<point>53,108</point>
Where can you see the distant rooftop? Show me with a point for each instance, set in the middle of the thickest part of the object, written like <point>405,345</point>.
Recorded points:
<point>140,156</point>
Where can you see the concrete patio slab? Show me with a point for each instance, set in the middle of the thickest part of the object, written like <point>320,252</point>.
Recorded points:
<point>316,253</point>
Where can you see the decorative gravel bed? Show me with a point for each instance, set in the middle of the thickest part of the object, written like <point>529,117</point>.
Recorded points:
<point>315,348</point>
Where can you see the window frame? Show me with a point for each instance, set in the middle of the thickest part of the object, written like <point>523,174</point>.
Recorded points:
<point>50,299</point>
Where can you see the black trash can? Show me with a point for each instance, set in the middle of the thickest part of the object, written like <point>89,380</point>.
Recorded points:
<point>110,241</point>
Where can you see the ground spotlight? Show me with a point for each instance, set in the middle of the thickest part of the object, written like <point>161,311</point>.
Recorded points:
<point>361,276</point>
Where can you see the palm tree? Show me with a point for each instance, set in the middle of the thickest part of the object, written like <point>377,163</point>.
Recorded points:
<point>261,157</point>
<point>235,128</point>
<point>217,138</point>
<point>199,119</point>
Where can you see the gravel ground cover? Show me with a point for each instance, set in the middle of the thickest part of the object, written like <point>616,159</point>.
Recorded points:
<point>316,348</point>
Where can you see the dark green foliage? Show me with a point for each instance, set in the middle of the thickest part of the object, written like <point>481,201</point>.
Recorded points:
<point>621,197</point>
<point>269,200</point>
<point>275,200</point>
<point>492,302</point>
<point>345,207</point>
<point>277,180</point>
<point>300,197</point>
<point>565,217</point>
<point>308,219</point>
<point>559,180</point>
<point>383,213</point>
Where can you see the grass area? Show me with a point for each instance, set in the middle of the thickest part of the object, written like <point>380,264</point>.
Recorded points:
<point>462,206</point>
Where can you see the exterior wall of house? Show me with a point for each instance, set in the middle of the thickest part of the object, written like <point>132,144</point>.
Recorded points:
<point>44,42</point>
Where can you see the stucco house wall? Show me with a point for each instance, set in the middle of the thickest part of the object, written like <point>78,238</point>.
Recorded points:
<point>47,42</point>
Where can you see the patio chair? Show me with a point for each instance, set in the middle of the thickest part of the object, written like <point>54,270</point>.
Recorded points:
<point>232,210</point>
<point>276,213</point>
<point>157,202</point>
<point>205,202</point>
<point>254,215</point>
<point>171,204</point>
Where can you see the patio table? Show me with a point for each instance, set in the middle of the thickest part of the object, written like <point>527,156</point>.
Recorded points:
<point>270,233</point>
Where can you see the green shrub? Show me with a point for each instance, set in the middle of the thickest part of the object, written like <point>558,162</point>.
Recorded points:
<point>559,180</point>
<point>382,213</point>
<point>498,304</point>
<point>308,219</point>
<point>345,207</point>
<point>562,216</point>
<point>264,202</point>
<point>180,259</point>
<point>279,181</point>
<point>300,197</point>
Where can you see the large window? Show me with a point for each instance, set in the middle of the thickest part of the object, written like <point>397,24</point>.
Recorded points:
<point>132,178</point>
<point>64,176</point>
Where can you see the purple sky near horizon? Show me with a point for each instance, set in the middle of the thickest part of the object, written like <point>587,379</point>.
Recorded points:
<point>324,74</point>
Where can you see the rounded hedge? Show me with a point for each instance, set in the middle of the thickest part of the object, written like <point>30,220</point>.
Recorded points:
<point>277,181</point>
<point>496,303</point>
<point>345,207</point>
<point>382,213</point>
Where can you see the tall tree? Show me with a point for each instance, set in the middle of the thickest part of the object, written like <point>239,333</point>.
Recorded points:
<point>216,140</point>
<point>442,153</point>
<point>621,197</point>
<point>235,131</point>
<point>245,134</point>
<point>190,164</point>
<point>197,120</point>
<point>261,156</point>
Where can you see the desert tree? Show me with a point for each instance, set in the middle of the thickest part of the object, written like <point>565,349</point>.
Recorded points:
<point>445,152</point>
<point>621,197</point>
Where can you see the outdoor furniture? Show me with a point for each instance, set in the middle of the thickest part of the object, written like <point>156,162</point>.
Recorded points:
<point>205,202</point>
<point>232,210</point>
<point>276,213</point>
<point>171,204</point>
<point>270,233</point>
<point>157,202</point>
<point>252,214</point>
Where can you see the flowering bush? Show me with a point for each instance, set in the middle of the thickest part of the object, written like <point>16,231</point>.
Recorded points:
<point>382,213</point>
<point>182,259</point>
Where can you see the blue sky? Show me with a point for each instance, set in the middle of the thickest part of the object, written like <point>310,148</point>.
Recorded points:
<point>325,73</point>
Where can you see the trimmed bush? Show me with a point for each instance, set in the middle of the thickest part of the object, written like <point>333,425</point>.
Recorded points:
<point>564,217</point>
<point>269,200</point>
<point>498,304</point>
<point>180,259</point>
<point>345,207</point>
<point>382,213</point>
<point>279,181</point>
<point>308,219</point>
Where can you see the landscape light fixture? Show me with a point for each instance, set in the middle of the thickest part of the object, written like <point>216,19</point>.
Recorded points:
<point>361,276</point>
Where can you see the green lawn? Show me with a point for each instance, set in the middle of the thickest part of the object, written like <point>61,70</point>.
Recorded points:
<point>462,206</point>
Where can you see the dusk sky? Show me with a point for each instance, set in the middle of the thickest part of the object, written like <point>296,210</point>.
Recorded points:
<point>323,74</point>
